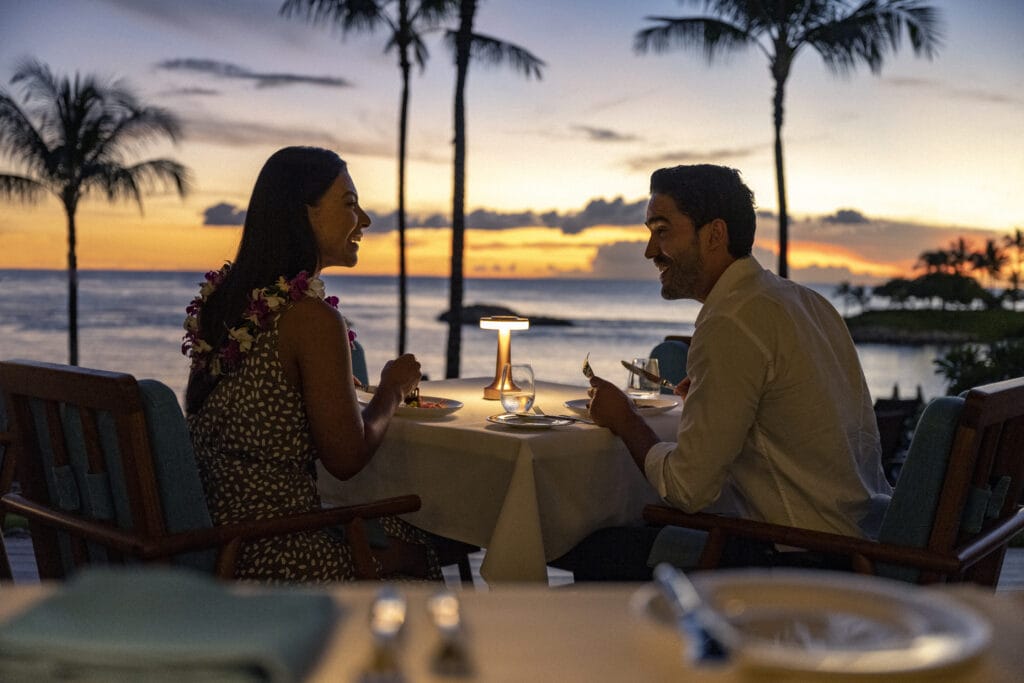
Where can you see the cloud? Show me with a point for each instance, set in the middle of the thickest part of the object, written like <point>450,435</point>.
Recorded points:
<point>223,214</point>
<point>846,216</point>
<point>262,80</point>
<point>212,129</point>
<point>603,212</point>
<point>603,134</point>
<point>179,92</point>
<point>942,89</point>
<point>717,156</point>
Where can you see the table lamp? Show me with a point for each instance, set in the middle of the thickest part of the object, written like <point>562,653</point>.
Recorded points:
<point>504,324</point>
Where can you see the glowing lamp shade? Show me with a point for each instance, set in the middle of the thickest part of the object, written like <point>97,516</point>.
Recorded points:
<point>504,324</point>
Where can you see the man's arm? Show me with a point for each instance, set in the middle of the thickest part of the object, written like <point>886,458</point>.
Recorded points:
<point>611,408</point>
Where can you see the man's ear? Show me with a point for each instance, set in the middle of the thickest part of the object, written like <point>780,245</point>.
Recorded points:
<point>717,234</point>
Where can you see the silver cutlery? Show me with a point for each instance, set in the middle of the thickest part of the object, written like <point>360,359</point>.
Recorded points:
<point>709,637</point>
<point>387,617</point>
<point>574,418</point>
<point>588,371</point>
<point>647,374</point>
<point>451,657</point>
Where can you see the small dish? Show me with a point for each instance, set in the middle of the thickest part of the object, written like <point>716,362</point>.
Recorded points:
<point>644,406</point>
<point>528,421</point>
<point>829,623</point>
<point>436,406</point>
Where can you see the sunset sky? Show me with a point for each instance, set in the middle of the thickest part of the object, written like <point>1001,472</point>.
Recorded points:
<point>879,169</point>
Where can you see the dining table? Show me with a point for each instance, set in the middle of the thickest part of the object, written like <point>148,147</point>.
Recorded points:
<point>597,632</point>
<point>526,496</point>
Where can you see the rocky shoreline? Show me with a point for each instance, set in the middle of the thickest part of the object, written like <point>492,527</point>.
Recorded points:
<point>471,315</point>
<point>889,335</point>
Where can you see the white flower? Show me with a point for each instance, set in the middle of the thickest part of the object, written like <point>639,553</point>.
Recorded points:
<point>274,302</point>
<point>282,284</point>
<point>242,336</point>
<point>206,289</point>
<point>316,288</point>
<point>192,323</point>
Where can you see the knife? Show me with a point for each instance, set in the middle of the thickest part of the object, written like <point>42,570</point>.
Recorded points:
<point>650,376</point>
<point>709,638</point>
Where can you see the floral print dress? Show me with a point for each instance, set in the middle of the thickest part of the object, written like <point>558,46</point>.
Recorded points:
<point>256,459</point>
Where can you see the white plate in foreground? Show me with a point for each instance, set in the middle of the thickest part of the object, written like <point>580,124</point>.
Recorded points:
<point>835,623</point>
<point>528,421</point>
<point>436,406</point>
<point>644,406</point>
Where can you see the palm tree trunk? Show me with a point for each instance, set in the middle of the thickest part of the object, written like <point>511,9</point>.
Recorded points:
<point>780,178</point>
<point>72,287</point>
<point>463,41</point>
<point>403,118</point>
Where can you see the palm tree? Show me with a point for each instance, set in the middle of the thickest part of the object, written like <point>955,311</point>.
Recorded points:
<point>990,261</point>
<point>466,45</point>
<point>71,139</point>
<point>959,255</point>
<point>1015,242</point>
<point>933,261</point>
<point>844,35</point>
<point>407,21</point>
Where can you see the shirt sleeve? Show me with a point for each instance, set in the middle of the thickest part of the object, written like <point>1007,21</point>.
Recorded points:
<point>729,369</point>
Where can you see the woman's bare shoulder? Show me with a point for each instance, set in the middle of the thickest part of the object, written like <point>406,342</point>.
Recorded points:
<point>312,314</point>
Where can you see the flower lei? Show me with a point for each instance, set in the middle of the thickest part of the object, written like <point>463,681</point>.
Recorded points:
<point>265,305</point>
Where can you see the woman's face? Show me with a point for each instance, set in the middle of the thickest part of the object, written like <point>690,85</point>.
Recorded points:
<point>338,223</point>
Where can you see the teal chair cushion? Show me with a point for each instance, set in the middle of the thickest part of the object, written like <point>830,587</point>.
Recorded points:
<point>359,363</point>
<point>181,490</point>
<point>671,357</point>
<point>911,514</point>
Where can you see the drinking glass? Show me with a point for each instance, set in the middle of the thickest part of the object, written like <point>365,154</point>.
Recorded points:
<point>517,389</point>
<point>639,387</point>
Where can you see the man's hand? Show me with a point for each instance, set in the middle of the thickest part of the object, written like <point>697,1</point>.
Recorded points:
<point>683,388</point>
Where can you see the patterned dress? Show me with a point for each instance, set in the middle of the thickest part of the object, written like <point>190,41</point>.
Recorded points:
<point>255,456</point>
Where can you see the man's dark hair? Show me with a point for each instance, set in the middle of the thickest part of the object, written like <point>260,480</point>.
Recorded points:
<point>705,192</point>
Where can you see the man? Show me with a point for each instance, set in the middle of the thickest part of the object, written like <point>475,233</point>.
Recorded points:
<point>777,423</point>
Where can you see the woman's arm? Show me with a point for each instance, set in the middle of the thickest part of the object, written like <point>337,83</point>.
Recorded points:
<point>314,351</point>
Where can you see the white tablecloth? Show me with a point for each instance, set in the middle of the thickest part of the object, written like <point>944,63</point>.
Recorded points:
<point>527,496</point>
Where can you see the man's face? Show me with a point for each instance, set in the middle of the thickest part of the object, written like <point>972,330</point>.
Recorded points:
<point>674,246</point>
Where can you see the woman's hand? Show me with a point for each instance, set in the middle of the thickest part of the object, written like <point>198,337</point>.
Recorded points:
<point>402,373</point>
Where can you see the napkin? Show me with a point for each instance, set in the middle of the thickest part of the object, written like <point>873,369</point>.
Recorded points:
<point>164,624</point>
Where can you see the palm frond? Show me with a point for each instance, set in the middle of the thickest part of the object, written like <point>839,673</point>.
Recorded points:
<point>431,14</point>
<point>710,36</point>
<point>128,182</point>
<point>19,139</point>
<point>20,188</point>
<point>495,52</point>
<point>346,15</point>
<point>874,30</point>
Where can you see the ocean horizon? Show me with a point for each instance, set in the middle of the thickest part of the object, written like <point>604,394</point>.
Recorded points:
<point>131,321</point>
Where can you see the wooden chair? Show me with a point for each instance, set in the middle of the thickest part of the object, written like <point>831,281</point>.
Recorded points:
<point>107,474</point>
<point>6,479</point>
<point>954,510</point>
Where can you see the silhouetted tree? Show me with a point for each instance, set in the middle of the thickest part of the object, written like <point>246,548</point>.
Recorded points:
<point>466,46</point>
<point>73,137</point>
<point>842,33</point>
<point>406,21</point>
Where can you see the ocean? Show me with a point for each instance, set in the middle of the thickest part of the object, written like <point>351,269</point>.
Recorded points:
<point>131,322</point>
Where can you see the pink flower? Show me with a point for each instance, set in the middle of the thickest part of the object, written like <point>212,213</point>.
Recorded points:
<point>352,339</point>
<point>332,301</point>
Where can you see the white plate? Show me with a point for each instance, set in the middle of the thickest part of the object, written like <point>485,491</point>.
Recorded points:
<point>835,623</point>
<point>446,406</point>
<point>644,406</point>
<point>528,421</point>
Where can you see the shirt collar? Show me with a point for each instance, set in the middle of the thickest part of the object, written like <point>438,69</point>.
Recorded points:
<point>738,271</point>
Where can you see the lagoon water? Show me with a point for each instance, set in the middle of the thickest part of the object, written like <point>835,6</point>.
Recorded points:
<point>131,322</point>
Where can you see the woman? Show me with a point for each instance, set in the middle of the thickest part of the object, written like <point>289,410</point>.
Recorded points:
<point>271,388</point>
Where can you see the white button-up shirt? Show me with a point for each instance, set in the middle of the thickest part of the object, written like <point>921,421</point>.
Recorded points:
<point>778,424</point>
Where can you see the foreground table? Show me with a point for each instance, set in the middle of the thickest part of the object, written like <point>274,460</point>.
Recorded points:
<point>528,496</point>
<point>529,633</point>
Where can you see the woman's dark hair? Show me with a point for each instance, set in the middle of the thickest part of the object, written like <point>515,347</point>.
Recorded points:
<point>277,240</point>
<point>705,192</point>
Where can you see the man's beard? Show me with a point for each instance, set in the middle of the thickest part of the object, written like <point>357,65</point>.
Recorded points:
<point>679,280</point>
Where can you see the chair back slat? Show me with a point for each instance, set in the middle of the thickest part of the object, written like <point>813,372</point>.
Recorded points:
<point>81,446</point>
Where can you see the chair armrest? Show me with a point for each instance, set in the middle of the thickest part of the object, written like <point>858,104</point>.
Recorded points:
<point>807,539</point>
<point>211,537</point>
<point>991,539</point>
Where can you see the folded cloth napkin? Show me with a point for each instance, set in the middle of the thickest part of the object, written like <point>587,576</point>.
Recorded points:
<point>163,624</point>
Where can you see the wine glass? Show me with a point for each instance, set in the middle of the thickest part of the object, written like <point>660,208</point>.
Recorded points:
<point>641,388</point>
<point>517,388</point>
